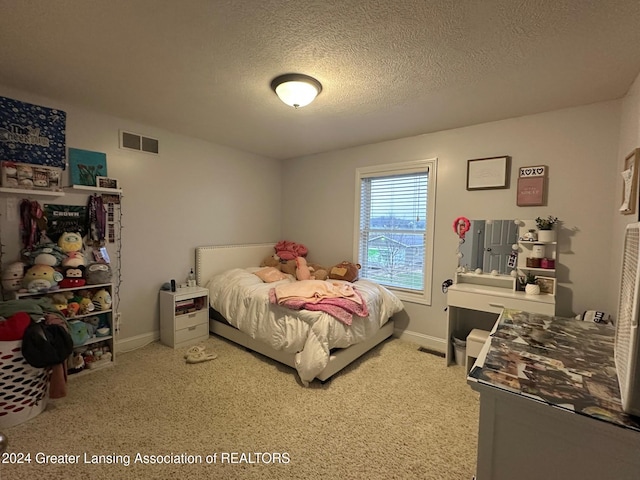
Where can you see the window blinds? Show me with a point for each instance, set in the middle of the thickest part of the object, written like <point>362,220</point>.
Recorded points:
<point>393,226</point>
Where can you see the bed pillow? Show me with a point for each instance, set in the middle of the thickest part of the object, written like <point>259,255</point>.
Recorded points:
<point>270,274</point>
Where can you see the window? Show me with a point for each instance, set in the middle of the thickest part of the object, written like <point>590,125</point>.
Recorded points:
<point>394,238</point>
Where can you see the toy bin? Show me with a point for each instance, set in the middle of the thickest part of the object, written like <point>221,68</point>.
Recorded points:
<point>24,390</point>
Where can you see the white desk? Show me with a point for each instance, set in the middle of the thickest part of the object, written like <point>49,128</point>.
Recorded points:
<point>465,300</point>
<point>549,404</point>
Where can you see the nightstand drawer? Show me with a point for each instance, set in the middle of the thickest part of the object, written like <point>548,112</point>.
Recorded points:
<point>191,319</point>
<point>192,332</point>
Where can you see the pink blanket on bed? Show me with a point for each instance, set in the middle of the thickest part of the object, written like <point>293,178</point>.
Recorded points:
<point>341,308</point>
<point>313,291</point>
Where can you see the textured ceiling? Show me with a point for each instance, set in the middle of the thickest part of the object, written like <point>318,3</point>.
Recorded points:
<point>389,69</point>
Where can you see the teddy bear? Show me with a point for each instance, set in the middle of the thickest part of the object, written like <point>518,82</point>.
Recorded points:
<point>345,270</point>
<point>271,261</point>
<point>288,267</point>
<point>319,272</point>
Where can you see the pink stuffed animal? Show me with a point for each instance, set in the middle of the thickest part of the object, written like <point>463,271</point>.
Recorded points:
<point>287,250</point>
<point>302,269</point>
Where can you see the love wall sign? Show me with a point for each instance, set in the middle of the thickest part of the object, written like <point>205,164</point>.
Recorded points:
<point>532,182</point>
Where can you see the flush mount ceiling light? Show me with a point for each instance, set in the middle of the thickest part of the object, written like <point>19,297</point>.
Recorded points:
<point>295,89</point>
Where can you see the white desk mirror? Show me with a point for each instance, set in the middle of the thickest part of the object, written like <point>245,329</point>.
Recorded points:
<point>487,245</point>
<point>475,300</point>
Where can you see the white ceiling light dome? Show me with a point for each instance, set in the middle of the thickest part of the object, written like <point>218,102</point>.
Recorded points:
<point>295,89</point>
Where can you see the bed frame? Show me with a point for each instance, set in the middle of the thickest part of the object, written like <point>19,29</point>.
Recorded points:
<point>211,260</point>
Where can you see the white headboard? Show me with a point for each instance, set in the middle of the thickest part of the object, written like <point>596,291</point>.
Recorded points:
<point>214,259</point>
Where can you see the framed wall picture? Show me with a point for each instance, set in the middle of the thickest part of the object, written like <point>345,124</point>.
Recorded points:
<point>547,285</point>
<point>85,166</point>
<point>488,173</point>
<point>630,183</point>
<point>532,186</point>
<point>106,182</point>
<point>531,191</point>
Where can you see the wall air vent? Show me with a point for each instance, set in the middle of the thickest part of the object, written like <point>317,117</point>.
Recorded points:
<point>135,141</point>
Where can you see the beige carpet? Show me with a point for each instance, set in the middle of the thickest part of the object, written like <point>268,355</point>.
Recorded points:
<point>396,413</point>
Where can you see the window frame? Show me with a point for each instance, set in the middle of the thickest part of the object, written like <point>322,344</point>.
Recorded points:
<point>403,168</point>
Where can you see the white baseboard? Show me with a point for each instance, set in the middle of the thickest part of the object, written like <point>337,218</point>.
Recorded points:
<point>133,343</point>
<point>426,341</point>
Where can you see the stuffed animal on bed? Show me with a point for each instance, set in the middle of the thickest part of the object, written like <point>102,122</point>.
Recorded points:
<point>271,261</point>
<point>302,269</point>
<point>289,267</point>
<point>345,270</point>
<point>287,250</point>
<point>309,271</point>
<point>318,271</point>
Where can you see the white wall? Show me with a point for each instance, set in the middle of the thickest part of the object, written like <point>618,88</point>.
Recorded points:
<point>194,193</point>
<point>580,147</point>
<point>197,193</point>
<point>628,141</point>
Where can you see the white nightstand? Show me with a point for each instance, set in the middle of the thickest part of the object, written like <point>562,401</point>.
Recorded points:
<point>184,316</point>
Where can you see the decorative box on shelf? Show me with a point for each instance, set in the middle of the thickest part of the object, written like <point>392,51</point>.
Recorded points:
<point>26,176</point>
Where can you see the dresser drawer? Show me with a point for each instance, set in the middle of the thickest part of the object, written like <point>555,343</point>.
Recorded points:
<point>495,303</point>
<point>191,333</point>
<point>186,320</point>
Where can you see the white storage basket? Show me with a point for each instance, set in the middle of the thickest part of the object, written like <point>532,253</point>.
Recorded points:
<point>24,390</point>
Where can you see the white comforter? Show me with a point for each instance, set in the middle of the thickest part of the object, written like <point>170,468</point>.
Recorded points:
<point>243,299</point>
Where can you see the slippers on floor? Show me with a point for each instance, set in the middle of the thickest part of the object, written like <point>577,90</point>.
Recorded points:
<point>194,350</point>
<point>201,356</point>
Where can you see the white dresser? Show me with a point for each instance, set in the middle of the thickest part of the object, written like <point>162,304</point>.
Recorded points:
<point>560,417</point>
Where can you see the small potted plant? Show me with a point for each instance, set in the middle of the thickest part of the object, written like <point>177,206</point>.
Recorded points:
<point>546,232</point>
<point>530,282</point>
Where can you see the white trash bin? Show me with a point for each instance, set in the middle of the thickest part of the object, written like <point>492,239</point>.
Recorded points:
<point>460,351</point>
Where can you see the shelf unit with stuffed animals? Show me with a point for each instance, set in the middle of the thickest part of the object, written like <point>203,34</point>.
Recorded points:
<point>90,317</point>
<point>76,269</point>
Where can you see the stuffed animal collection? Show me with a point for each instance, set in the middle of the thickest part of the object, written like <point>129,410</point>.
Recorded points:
<point>290,258</point>
<point>48,266</point>
<point>80,302</point>
<point>91,356</point>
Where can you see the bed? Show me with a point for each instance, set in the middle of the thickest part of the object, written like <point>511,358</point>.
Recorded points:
<point>314,343</point>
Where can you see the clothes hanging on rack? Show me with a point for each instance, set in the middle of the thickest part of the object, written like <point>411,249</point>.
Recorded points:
<point>33,224</point>
<point>96,221</point>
